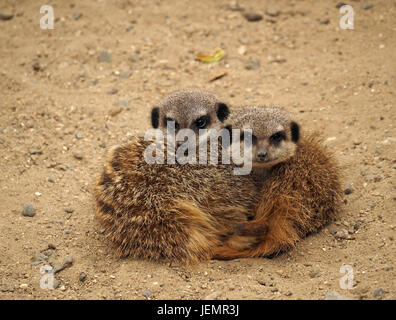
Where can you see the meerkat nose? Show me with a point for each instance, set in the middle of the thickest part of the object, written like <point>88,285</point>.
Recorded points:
<point>262,155</point>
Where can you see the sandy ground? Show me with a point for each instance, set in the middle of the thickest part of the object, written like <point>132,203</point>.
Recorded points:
<point>61,108</point>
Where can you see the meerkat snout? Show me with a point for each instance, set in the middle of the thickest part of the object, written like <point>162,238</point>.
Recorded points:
<point>272,136</point>
<point>262,154</point>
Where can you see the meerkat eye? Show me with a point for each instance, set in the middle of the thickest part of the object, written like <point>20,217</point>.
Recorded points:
<point>167,120</point>
<point>202,122</point>
<point>276,138</point>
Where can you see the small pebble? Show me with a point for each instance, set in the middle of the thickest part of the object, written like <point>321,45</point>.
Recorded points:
<point>104,56</point>
<point>133,57</point>
<point>69,210</point>
<point>253,64</point>
<point>379,293</point>
<point>28,210</point>
<point>29,124</point>
<point>35,151</point>
<point>278,60</point>
<point>77,16</point>
<point>56,283</point>
<point>252,16</point>
<point>82,277</point>
<point>147,294</point>
<point>314,273</point>
<point>348,189</point>
<point>79,136</point>
<point>112,91</point>
<point>6,16</point>
<point>115,111</point>
<point>242,50</point>
<point>124,102</point>
<point>343,234</point>
<point>39,258</point>
<point>367,5</point>
<point>324,21</point>
<point>7,289</point>
<point>68,261</point>
<point>78,155</point>
<point>36,66</point>
<point>125,74</point>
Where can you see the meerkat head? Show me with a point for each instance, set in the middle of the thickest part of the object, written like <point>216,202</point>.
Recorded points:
<point>191,109</point>
<point>274,135</point>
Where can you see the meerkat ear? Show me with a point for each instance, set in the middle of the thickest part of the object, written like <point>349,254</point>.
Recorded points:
<point>155,117</point>
<point>295,131</point>
<point>222,111</point>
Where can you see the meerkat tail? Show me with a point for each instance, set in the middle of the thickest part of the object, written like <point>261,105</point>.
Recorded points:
<point>282,234</point>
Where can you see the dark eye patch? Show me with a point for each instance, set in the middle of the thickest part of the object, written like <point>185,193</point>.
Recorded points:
<point>276,138</point>
<point>166,120</point>
<point>202,122</point>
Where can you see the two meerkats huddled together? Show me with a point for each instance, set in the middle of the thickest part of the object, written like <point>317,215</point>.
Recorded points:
<point>192,212</point>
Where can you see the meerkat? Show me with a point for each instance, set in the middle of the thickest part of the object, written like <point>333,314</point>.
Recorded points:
<point>301,191</point>
<point>173,212</point>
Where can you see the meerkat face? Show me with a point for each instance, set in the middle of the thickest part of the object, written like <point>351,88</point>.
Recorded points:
<point>191,109</point>
<point>273,134</point>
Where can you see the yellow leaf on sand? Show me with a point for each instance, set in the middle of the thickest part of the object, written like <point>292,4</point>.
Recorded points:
<point>216,56</point>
